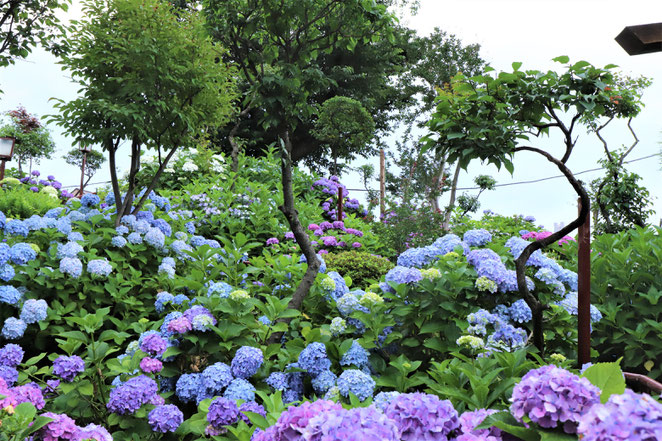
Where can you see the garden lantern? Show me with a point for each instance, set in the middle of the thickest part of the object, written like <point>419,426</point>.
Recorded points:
<point>6,153</point>
<point>84,150</point>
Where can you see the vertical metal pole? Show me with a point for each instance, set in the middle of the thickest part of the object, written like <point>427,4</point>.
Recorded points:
<point>82,174</point>
<point>2,169</point>
<point>382,183</point>
<point>339,211</point>
<point>584,290</point>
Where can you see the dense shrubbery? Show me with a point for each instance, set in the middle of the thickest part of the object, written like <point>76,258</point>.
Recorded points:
<point>362,268</point>
<point>20,202</point>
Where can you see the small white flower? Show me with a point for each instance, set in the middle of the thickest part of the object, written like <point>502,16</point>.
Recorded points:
<point>169,170</point>
<point>189,167</point>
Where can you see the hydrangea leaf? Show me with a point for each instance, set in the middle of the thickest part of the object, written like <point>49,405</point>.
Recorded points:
<point>506,422</point>
<point>608,377</point>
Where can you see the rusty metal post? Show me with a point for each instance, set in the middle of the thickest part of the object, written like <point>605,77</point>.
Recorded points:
<point>382,184</point>
<point>339,211</point>
<point>82,173</point>
<point>584,290</point>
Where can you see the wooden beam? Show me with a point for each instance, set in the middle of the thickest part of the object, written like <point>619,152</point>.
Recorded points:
<point>641,39</point>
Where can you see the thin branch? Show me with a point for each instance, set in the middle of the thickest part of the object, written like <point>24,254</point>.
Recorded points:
<point>636,141</point>
<point>604,143</point>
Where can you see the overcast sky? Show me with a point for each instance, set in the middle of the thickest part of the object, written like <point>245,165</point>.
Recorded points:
<point>530,31</point>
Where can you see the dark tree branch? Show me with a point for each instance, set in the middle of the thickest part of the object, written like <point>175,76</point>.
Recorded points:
<point>536,306</point>
<point>604,143</point>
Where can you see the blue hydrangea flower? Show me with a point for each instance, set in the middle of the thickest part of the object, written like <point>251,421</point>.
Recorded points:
<point>246,362</point>
<point>477,238</point>
<point>383,399</point>
<point>35,223</point>
<point>63,225</point>
<point>240,389</point>
<point>118,241</point>
<point>419,257</point>
<point>322,268</point>
<point>89,200</point>
<point>264,320</point>
<point>34,311</point>
<point>448,243</point>
<point>167,319</point>
<point>3,219</point>
<point>355,356</point>
<point>216,377</point>
<point>221,289</point>
<point>135,238</point>
<point>99,267</point>
<point>71,266</point>
<point>155,238</point>
<point>277,380</point>
<point>122,230</point>
<point>9,374</point>
<point>400,275</point>
<point>13,328</point>
<point>5,253</point>
<point>570,302</point>
<point>520,312</point>
<point>16,227</point>
<point>162,225</point>
<point>313,359</point>
<point>357,382</point>
<point>22,253</point>
<point>69,249</point>
<point>181,248</point>
<point>189,387</point>
<point>7,272</point>
<point>10,295</point>
<point>324,381</point>
<point>162,299</point>
<point>340,286</point>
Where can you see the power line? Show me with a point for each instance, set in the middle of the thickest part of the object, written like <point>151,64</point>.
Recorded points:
<point>536,180</point>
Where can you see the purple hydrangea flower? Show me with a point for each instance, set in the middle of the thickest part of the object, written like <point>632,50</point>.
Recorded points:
<point>151,365</point>
<point>222,412</point>
<point>131,395</point>
<point>423,416</point>
<point>153,344</point>
<point>470,420</point>
<point>293,421</point>
<point>272,241</point>
<point>11,355</point>
<point>365,423</point>
<point>61,428</point>
<point>552,397</point>
<point>93,432</point>
<point>165,418</point>
<point>630,416</point>
<point>251,406</point>
<point>68,368</point>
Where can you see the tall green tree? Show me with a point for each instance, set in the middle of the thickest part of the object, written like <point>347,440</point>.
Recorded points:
<point>280,47</point>
<point>496,115</point>
<point>33,140</point>
<point>150,76</point>
<point>26,23</point>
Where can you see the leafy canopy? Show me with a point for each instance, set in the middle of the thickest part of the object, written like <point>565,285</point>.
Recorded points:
<point>32,139</point>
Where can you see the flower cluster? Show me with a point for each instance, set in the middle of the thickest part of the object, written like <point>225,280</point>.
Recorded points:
<point>68,368</point>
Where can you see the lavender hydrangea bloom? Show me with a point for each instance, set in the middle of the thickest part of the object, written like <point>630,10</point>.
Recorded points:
<point>399,275</point>
<point>313,358</point>
<point>165,418</point>
<point>553,397</point>
<point>9,374</point>
<point>630,416</point>
<point>246,362</point>
<point>362,423</point>
<point>293,421</point>
<point>240,389</point>
<point>92,432</point>
<point>520,312</point>
<point>251,406</point>
<point>222,412</point>
<point>131,395</point>
<point>34,311</point>
<point>420,416</point>
<point>356,382</point>
<point>61,428</point>
<point>11,355</point>
<point>153,343</point>
<point>470,420</point>
<point>68,368</point>
<point>150,365</point>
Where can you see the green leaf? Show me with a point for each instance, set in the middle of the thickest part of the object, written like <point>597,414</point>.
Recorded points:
<point>516,65</point>
<point>562,59</point>
<point>506,422</point>
<point>556,436</point>
<point>608,377</point>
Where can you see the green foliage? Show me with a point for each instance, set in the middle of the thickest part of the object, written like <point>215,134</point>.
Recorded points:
<point>608,377</point>
<point>621,202</point>
<point>362,268</point>
<point>154,80</point>
<point>26,23</point>
<point>20,202</point>
<point>626,287</point>
<point>21,421</point>
<point>32,140</point>
<point>480,383</point>
<point>93,161</point>
<point>346,127</point>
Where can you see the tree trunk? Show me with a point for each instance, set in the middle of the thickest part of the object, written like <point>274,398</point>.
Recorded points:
<point>300,234</point>
<point>112,148</point>
<point>451,202</point>
<point>536,306</point>
<point>233,143</point>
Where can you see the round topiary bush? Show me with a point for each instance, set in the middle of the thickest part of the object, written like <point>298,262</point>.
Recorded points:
<point>362,268</point>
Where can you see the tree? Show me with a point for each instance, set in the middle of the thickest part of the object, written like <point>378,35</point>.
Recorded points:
<point>93,162</point>
<point>149,75</point>
<point>25,23</point>
<point>363,71</point>
<point>494,116</point>
<point>280,46</point>
<point>33,140</point>
<point>345,126</point>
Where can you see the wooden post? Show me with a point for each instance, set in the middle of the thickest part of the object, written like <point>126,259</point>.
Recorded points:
<point>82,173</point>
<point>339,211</point>
<point>584,290</point>
<point>382,184</point>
